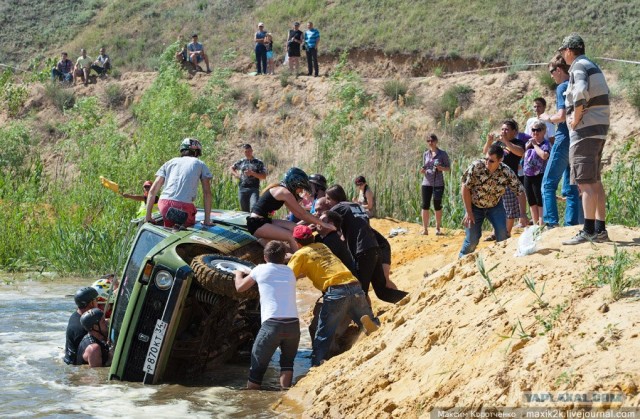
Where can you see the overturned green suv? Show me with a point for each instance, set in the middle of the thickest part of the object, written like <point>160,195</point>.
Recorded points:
<point>177,309</point>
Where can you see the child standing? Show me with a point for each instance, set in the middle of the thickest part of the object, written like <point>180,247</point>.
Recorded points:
<point>268,43</point>
<point>279,314</point>
<point>535,161</point>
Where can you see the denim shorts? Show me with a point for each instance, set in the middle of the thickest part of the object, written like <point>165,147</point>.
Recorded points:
<point>282,333</point>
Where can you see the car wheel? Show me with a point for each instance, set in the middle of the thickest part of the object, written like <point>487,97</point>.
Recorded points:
<point>215,273</point>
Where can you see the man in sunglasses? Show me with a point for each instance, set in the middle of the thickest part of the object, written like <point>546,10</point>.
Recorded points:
<point>484,183</point>
<point>588,114</point>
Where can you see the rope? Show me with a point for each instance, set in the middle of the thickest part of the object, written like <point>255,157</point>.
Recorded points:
<point>617,60</point>
<point>495,68</point>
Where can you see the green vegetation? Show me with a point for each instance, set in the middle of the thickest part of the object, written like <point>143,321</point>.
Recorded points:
<point>395,89</point>
<point>66,221</point>
<point>59,96</point>
<point>485,275</point>
<point>611,270</point>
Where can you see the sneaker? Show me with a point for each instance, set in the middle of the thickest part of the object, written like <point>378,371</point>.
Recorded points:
<point>369,325</point>
<point>581,237</point>
<point>602,237</point>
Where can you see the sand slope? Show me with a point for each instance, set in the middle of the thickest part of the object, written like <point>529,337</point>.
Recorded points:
<point>447,343</point>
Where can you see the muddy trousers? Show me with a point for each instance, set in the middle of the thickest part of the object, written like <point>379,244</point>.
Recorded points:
<point>369,267</point>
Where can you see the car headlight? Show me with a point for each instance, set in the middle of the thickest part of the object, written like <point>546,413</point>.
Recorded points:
<point>164,280</point>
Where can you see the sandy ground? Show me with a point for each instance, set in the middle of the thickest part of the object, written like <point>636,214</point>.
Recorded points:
<point>449,343</point>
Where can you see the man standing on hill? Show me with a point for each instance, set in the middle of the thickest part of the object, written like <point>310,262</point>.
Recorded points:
<point>558,165</point>
<point>311,42</point>
<point>588,119</point>
<point>180,177</point>
<point>250,171</point>
<point>484,184</point>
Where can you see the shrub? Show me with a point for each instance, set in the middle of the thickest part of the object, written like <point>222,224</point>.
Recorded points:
<point>458,95</point>
<point>113,95</point>
<point>59,97</point>
<point>255,98</point>
<point>546,80</point>
<point>284,78</point>
<point>393,89</point>
<point>14,96</point>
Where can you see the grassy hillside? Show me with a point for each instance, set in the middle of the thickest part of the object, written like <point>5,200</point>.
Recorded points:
<point>136,31</point>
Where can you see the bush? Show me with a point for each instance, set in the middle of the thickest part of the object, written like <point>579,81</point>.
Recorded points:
<point>546,80</point>
<point>458,95</point>
<point>14,96</point>
<point>284,78</point>
<point>113,95</point>
<point>393,89</point>
<point>59,97</point>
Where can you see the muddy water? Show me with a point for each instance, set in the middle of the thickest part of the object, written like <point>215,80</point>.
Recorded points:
<point>34,382</point>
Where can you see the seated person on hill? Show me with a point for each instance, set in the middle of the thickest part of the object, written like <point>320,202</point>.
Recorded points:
<point>196,53</point>
<point>102,64</point>
<point>63,71</point>
<point>83,67</point>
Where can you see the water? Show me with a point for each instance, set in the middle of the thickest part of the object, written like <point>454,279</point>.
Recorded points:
<point>35,382</point>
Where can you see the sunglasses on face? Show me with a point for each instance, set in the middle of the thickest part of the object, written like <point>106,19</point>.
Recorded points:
<point>553,70</point>
<point>536,129</point>
<point>488,160</point>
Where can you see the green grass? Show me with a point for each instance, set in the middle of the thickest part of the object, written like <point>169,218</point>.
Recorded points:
<point>135,32</point>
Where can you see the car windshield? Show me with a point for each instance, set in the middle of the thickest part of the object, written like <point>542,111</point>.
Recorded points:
<point>146,241</point>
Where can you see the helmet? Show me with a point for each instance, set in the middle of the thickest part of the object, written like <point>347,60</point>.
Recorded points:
<point>91,318</point>
<point>296,179</point>
<point>102,286</point>
<point>191,144</point>
<point>84,296</point>
<point>318,180</point>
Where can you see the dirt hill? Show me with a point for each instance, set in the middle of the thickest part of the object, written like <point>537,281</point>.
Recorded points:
<point>451,343</point>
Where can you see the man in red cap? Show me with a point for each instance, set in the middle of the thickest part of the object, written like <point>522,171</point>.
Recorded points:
<point>342,293</point>
<point>143,199</point>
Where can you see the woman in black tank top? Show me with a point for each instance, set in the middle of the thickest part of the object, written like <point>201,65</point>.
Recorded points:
<point>262,226</point>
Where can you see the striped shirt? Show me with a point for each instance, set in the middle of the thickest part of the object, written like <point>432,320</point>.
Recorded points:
<point>588,88</point>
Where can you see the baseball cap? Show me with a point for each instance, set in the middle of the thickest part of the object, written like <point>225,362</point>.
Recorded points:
<point>572,41</point>
<point>246,146</point>
<point>302,232</point>
<point>260,24</point>
<point>296,23</point>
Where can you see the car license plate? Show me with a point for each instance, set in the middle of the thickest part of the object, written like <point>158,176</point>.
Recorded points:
<point>154,347</point>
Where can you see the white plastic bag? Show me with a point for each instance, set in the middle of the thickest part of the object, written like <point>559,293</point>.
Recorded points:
<point>528,240</point>
<point>286,59</point>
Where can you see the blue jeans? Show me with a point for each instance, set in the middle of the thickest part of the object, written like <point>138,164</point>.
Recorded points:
<point>261,59</point>
<point>274,334</point>
<point>57,74</point>
<point>557,168</point>
<point>497,216</point>
<point>248,198</point>
<point>337,302</point>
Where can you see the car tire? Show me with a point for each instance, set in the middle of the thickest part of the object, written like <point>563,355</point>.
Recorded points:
<point>215,273</point>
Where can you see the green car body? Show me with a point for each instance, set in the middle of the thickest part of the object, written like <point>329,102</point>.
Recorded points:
<point>165,324</point>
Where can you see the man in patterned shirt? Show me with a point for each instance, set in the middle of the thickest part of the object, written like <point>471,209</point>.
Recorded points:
<point>483,185</point>
<point>250,171</point>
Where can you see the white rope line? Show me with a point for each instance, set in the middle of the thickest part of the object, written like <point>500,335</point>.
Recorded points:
<point>617,60</point>
<point>14,68</point>
<point>479,70</point>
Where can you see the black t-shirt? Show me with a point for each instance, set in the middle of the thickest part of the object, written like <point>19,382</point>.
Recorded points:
<point>355,227</point>
<point>511,159</point>
<point>291,45</point>
<point>75,333</point>
<point>339,248</point>
<point>255,165</point>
